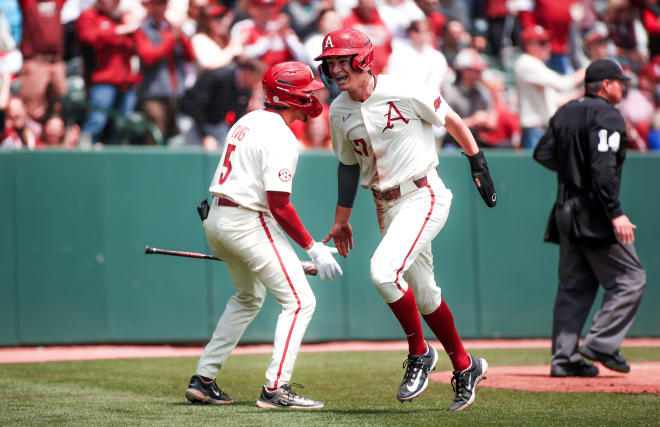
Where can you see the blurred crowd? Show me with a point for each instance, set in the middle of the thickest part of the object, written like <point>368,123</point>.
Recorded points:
<point>181,72</point>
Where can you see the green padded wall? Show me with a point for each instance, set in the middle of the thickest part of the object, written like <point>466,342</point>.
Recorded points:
<point>150,198</point>
<point>517,270</point>
<point>74,225</point>
<point>8,282</point>
<point>59,247</point>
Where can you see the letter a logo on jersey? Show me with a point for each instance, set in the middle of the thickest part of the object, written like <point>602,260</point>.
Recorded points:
<point>437,103</point>
<point>328,44</point>
<point>391,119</point>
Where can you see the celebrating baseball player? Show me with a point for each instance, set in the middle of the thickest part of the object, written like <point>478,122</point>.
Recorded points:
<point>382,133</point>
<point>251,189</point>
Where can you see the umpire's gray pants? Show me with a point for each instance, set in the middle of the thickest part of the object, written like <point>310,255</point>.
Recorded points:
<point>581,269</point>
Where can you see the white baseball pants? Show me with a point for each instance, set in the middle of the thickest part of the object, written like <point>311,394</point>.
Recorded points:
<point>408,226</point>
<point>259,258</point>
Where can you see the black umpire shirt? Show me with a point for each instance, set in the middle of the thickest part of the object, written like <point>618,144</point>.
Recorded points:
<point>586,145</point>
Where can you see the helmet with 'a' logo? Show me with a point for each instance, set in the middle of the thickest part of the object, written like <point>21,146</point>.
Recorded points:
<point>290,84</point>
<point>347,42</point>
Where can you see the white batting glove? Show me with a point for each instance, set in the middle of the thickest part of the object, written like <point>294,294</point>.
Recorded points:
<point>321,256</point>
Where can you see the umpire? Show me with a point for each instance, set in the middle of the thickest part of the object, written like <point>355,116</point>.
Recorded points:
<point>586,145</point>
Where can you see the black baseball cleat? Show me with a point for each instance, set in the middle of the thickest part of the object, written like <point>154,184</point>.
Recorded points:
<point>199,391</point>
<point>615,362</point>
<point>574,369</point>
<point>285,398</point>
<point>464,383</point>
<point>416,377</point>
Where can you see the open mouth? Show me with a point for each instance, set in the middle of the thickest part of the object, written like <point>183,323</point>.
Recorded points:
<point>341,79</point>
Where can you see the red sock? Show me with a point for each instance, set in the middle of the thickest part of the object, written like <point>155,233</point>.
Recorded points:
<point>441,322</point>
<point>206,380</point>
<point>405,310</point>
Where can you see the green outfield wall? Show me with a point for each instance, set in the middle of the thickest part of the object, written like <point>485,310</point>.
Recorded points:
<point>74,225</point>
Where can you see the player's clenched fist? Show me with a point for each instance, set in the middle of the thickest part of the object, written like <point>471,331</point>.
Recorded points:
<point>321,256</point>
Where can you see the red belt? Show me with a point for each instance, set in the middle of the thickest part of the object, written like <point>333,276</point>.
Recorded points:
<point>226,202</point>
<point>395,193</point>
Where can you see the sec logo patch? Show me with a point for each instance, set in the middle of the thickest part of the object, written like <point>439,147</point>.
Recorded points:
<point>285,175</point>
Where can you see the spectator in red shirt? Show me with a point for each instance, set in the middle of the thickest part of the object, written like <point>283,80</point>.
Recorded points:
<point>267,35</point>
<point>555,17</point>
<point>43,76</point>
<point>505,129</point>
<point>365,18</point>
<point>112,78</point>
<point>163,48</point>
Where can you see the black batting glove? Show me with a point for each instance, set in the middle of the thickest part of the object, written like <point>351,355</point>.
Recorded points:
<point>482,179</point>
<point>203,210</point>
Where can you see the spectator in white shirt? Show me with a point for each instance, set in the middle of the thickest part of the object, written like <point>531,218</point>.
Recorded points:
<point>416,57</point>
<point>540,90</point>
<point>212,44</point>
<point>398,15</point>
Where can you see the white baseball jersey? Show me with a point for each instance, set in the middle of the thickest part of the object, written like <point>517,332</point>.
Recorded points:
<point>390,135</point>
<point>260,155</point>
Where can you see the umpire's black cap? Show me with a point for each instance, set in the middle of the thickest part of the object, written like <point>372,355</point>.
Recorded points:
<point>604,69</point>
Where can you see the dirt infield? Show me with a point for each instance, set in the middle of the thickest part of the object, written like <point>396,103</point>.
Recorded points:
<point>644,377</point>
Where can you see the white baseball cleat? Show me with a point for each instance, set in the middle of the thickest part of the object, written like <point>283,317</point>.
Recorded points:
<point>285,398</point>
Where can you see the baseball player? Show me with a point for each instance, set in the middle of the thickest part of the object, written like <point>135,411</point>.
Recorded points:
<point>382,133</point>
<point>251,207</point>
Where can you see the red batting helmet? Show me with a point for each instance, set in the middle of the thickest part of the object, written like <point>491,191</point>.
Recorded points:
<point>289,84</point>
<point>347,42</point>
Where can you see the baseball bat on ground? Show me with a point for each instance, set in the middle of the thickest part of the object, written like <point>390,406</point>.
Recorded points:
<point>307,266</point>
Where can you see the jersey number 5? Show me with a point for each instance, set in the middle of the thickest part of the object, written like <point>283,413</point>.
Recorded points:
<point>605,142</point>
<point>238,134</point>
<point>360,147</point>
<point>227,163</point>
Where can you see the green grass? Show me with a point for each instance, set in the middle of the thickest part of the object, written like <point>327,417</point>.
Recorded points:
<point>358,388</point>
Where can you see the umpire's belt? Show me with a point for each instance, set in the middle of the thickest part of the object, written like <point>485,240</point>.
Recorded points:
<point>395,192</point>
<point>226,202</point>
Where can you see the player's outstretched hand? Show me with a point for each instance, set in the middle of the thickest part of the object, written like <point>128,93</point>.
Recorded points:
<point>342,235</point>
<point>482,179</point>
<point>321,256</point>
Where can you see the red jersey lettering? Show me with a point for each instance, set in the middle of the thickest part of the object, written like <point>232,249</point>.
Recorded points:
<point>391,119</point>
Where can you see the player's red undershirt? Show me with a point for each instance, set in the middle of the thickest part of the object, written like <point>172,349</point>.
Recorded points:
<point>287,217</point>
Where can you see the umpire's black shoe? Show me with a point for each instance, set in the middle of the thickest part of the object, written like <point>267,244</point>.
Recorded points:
<point>615,362</point>
<point>575,369</point>
<point>464,383</point>
<point>416,377</point>
<point>199,391</point>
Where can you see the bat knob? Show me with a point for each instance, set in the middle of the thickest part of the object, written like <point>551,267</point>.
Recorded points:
<point>148,249</point>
